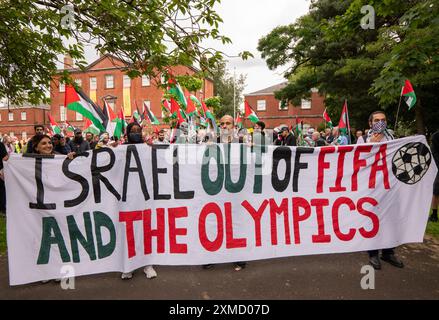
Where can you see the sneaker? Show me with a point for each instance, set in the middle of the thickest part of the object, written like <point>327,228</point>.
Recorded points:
<point>393,260</point>
<point>375,262</point>
<point>126,275</point>
<point>433,218</point>
<point>238,266</point>
<point>150,272</point>
<point>45,281</point>
<point>207,266</point>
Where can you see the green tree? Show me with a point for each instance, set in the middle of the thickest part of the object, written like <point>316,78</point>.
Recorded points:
<point>149,34</point>
<point>224,85</point>
<point>328,49</point>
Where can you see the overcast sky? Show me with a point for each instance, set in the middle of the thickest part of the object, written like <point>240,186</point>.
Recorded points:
<point>245,22</point>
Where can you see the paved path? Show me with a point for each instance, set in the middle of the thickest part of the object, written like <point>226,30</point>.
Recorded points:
<point>335,276</point>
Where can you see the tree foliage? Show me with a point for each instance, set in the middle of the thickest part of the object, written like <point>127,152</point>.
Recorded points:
<point>328,49</point>
<point>149,34</point>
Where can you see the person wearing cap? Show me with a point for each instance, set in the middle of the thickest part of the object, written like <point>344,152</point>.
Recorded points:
<point>59,145</point>
<point>78,144</point>
<point>285,138</point>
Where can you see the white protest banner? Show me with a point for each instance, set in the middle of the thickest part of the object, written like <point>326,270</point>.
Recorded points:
<point>135,205</point>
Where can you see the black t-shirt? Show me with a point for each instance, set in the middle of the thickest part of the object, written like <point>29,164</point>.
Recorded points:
<point>3,153</point>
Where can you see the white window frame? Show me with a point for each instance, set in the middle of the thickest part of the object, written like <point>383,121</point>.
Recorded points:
<point>146,81</point>
<point>79,117</point>
<point>62,87</point>
<point>107,81</point>
<point>306,104</point>
<point>79,82</point>
<point>23,116</point>
<point>126,81</point>
<point>280,106</point>
<point>12,134</point>
<point>24,135</point>
<point>112,105</point>
<point>261,105</point>
<point>93,83</point>
<point>10,116</point>
<point>62,113</point>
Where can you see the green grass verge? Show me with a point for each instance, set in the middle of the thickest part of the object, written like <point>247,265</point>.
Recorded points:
<point>433,229</point>
<point>2,235</point>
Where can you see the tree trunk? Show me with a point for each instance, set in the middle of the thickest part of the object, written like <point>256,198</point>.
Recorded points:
<point>419,111</point>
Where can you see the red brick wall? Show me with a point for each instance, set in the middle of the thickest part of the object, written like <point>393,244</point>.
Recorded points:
<point>273,117</point>
<point>137,92</point>
<point>18,126</point>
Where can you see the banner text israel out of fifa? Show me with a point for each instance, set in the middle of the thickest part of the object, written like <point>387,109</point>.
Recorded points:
<point>118,209</point>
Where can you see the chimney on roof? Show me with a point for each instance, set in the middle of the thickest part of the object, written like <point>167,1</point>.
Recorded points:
<point>68,62</point>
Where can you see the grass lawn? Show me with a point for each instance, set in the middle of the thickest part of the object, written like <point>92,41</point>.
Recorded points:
<point>433,229</point>
<point>2,235</point>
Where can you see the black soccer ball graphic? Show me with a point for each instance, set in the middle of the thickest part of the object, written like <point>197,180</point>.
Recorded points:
<point>411,162</point>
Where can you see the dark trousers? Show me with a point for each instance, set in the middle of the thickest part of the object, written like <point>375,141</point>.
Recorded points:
<point>374,253</point>
<point>2,196</point>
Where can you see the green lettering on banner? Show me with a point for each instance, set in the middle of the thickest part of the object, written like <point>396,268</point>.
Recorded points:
<point>238,186</point>
<point>212,187</point>
<point>103,221</point>
<point>50,225</point>
<point>76,235</point>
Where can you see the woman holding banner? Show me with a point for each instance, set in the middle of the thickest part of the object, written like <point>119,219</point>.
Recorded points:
<point>134,136</point>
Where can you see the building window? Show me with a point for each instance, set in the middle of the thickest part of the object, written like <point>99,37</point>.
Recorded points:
<point>78,82</point>
<point>62,113</point>
<point>93,83</point>
<point>109,82</point>
<point>162,78</point>
<point>283,105</point>
<point>12,134</point>
<point>126,81</point>
<point>146,82</point>
<point>78,116</point>
<point>24,135</point>
<point>62,87</point>
<point>23,116</point>
<point>306,104</point>
<point>10,116</point>
<point>261,105</point>
<point>0,117</point>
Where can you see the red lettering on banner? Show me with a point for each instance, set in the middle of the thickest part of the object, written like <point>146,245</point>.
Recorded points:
<point>176,213</point>
<point>129,218</point>
<point>321,237</point>
<point>297,217</point>
<point>381,155</point>
<point>335,218</point>
<point>148,232</point>
<point>372,216</point>
<point>256,215</point>
<point>274,211</point>
<point>342,150</point>
<point>322,165</point>
<point>358,163</point>
<point>230,241</point>
<point>204,240</point>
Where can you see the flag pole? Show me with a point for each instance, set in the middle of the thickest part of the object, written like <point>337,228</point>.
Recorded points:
<point>397,112</point>
<point>348,124</point>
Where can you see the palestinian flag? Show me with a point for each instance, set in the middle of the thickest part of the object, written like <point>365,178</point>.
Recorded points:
<point>175,89</point>
<point>191,110</point>
<point>165,105</point>
<point>90,127</point>
<point>343,124</point>
<point>327,118</point>
<point>409,94</point>
<point>53,125</point>
<point>114,124</point>
<point>150,115</point>
<point>238,121</point>
<point>121,116</point>
<point>250,114</point>
<point>136,117</point>
<point>70,127</point>
<point>79,102</point>
<point>209,115</point>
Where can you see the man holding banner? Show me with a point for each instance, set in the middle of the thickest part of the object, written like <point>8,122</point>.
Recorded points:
<point>378,133</point>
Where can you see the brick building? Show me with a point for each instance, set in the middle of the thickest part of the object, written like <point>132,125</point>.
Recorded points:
<point>270,111</point>
<point>106,78</point>
<point>19,121</point>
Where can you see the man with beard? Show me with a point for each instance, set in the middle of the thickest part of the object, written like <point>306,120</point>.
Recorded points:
<point>90,139</point>
<point>78,144</point>
<point>39,130</point>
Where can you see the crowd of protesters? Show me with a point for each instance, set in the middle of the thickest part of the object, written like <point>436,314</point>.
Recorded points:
<point>226,132</point>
